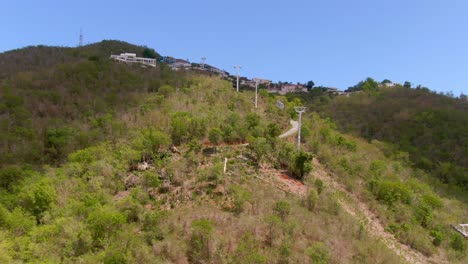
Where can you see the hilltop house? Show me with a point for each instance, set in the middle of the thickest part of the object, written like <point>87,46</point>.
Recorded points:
<point>132,58</point>
<point>210,68</point>
<point>178,64</point>
<point>261,81</point>
<point>254,81</point>
<point>292,88</point>
<point>248,83</point>
<point>333,90</point>
<point>285,88</point>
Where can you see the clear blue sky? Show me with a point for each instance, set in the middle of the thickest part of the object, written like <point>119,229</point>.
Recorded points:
<point>332,42</point>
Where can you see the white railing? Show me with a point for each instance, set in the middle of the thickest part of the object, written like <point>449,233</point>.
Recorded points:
<point>462,229</point>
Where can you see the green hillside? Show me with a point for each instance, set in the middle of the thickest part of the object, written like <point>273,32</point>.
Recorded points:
<point>102,162</point>
<point>430,127</point>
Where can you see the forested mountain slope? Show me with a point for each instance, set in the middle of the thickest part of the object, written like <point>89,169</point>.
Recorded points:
<point>102,162</point>
<point>432,128</point>
<point>43,57</point>
<point>49,111</point>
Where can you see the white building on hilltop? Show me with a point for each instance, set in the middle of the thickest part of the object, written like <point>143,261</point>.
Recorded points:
<point>132,58</point>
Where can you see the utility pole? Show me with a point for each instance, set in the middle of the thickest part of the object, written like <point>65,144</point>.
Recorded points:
<point>300,110</point>
<point>256,92</point>
<point>203,62</point>
<point>238,67</point>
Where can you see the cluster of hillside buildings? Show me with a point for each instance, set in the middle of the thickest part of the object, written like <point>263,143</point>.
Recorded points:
<point>179,64</point>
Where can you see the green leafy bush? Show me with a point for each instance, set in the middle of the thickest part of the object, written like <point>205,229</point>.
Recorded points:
<point>240,196</point>
<point>38,197</point>
<point>390,192</point>
<point>437,236</point>
<point>10,176</point>
<point>302,164</point>
<point>215,136</point>
<point>151,179</point>
<point>319,185</point>
<point>19,221</point>
<point>103,222</point>
<point>199,250</point>
<point>458,243</point>
<point>248,251</point>
<point>282,208</point>
<point>319,253</point>
<point>311,199</point>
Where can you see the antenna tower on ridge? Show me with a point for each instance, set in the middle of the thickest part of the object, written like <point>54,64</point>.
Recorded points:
<point>81,38</point>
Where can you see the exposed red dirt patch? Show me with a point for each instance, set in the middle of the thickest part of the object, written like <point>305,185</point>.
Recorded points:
<point>283,181</point>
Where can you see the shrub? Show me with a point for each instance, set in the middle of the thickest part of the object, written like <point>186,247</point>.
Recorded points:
<point>151,226</point>
<point>38,197</point>
<point>9,176</point>
<point>432,201</point>
<point>391,192</point>
<point>248,251</point>
<point>115,256</point>
<point>199,250</point>
<point>151,179</point>
<point>438,237</point>
<point>228,133</point>
<point>82,243</point>
<point>458,243</point>
<point>377,168</point>
<point>348,144</point>
<point>286,156</point>
<point>130,208</point>
<point>282,208</point>
<point>423,214</point>
<point>273,130</point>
<point>319,186</point>
<point>153,140</point>
<point>20,222</point>
<point>215,173</point>
<point>180,132</point>
<point>274,228</point>
<point>302,164</point>
<point>166,90</point>
<point>284,252</point>
<point>215,136</point>
<point>56,142</point>
<point>195,146</point>
<point>252,120</point>
<point>104,222</point>
<point>185,127</point>
<point>240,197</point>
<point>318,253</point>
<point>311,199</point>
<point>260,148</point>
<point>3,215</point>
